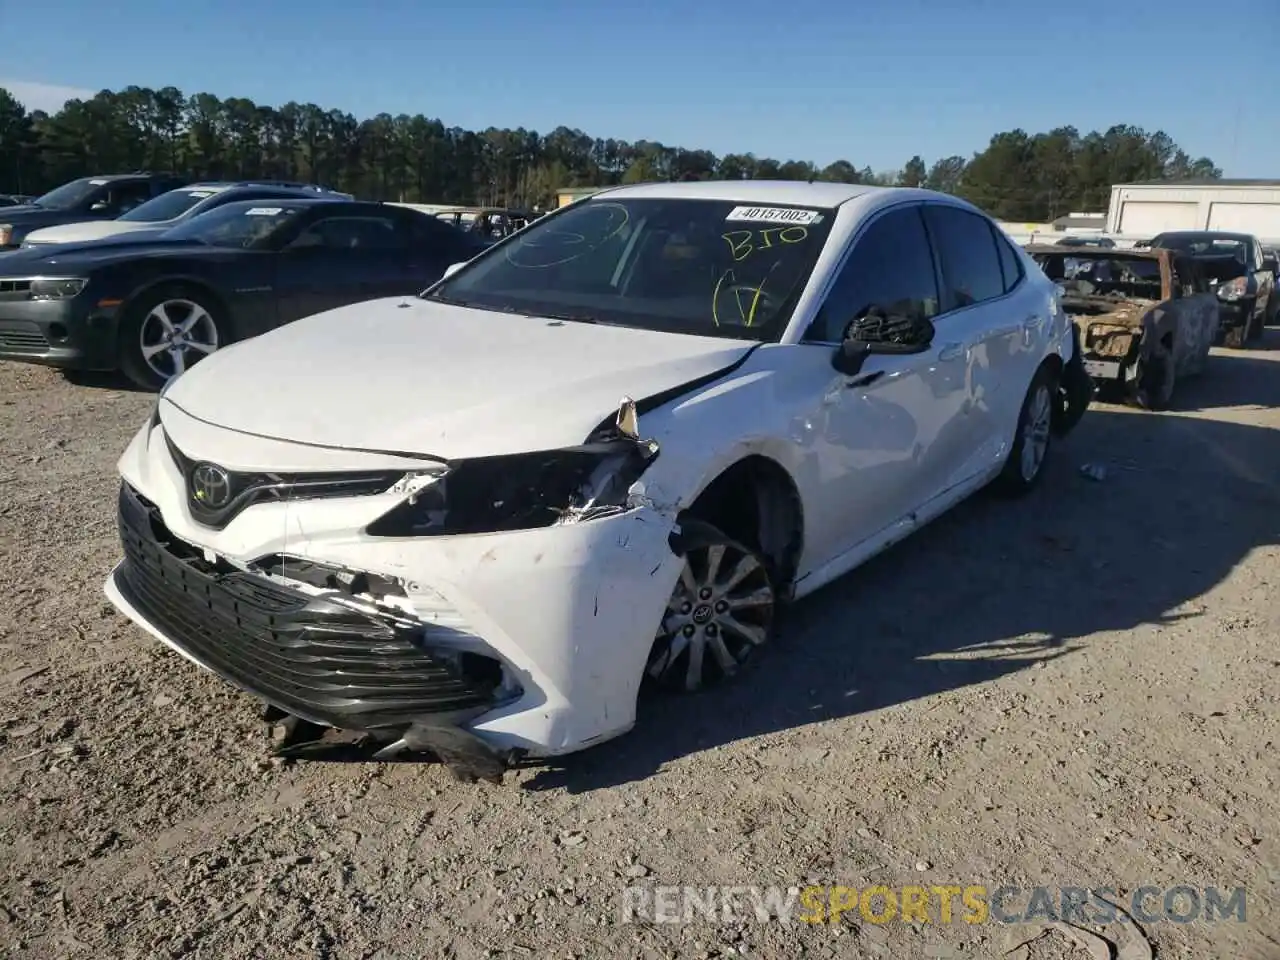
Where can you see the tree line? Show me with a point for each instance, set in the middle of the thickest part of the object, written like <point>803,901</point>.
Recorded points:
<point>1019,176</point>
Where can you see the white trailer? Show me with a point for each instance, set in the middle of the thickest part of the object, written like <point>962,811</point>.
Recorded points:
<point>1235,206</point>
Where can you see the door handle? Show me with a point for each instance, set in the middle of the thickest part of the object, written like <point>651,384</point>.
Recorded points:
<point>951,351</point>
<point>866,379</point>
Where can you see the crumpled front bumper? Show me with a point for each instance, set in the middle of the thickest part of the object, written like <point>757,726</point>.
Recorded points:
<point>568,612</point>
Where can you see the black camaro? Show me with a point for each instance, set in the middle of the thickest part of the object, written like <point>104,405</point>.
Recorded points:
<point>153,307</point>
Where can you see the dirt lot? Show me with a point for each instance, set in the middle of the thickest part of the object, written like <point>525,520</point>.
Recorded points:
<point>1078,689</point>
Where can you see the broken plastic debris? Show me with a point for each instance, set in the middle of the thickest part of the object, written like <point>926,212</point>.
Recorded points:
<point>628,420</point>
<point>1094,471</point>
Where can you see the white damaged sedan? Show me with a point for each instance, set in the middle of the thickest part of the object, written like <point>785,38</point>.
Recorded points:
<point>609,448</point>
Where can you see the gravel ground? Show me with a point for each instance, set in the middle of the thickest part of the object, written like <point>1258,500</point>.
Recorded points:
<point>1076,689</point>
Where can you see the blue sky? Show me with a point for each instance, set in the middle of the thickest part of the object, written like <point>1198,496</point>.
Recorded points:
<point>871,82</point>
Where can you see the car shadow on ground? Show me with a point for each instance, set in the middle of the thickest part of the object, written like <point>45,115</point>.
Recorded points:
<point>1234,378</point>
<point>100,380</point>
<point>994,586</point>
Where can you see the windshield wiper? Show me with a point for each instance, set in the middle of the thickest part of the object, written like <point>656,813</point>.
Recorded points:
<point>571,317</point>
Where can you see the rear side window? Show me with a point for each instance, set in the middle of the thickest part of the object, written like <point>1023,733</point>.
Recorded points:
<point>970,261</point>
<point>1010,264</point>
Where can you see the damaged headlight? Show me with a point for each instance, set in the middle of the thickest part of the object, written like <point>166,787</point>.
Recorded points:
<point>521,492</point>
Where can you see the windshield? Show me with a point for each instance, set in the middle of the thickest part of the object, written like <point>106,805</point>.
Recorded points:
<point>167,206</point>
<point>1082,274</point>
<point>241,225</point>
<point>70,195</point>
<point>706,267</point>
<point>1204,245</point>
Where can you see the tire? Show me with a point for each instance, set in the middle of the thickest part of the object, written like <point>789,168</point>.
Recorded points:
<point>1020,475</point>
<point>714,622</point>
<point>1156,380</point>
<point>1256,327</point>
<point>143,329</point>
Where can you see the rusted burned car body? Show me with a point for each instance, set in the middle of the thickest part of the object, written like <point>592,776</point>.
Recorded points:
<point>1145,317</point>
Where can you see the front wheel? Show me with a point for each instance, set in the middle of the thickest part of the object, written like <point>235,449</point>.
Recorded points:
<point>1156,378</point>
<point>166,332</point>
<point>1032,439</point>
<point>721,610</point>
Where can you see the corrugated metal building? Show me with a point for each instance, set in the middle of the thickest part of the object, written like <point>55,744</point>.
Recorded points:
<point>1241,206</point>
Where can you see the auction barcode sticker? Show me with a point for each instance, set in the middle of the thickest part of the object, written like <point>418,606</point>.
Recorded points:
<point>774,215</point>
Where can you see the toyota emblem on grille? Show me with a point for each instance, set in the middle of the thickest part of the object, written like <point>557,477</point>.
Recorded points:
<point>210,486</point>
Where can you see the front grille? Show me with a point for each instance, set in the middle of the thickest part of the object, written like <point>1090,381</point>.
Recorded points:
<point>22,335</point>
<point>246,489</point>
<point>315,658</point>
<point>11,287</point>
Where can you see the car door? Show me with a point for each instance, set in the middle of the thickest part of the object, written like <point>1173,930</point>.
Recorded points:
<point>991,334</point>
<point>339,258</point>
<point>875,436</point>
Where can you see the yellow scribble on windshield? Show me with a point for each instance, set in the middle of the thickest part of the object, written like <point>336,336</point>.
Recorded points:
<point>743,243</point>
<point>551,239</point>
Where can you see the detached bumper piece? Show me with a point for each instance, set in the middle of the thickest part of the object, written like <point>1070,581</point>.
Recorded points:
<point>312,658</point>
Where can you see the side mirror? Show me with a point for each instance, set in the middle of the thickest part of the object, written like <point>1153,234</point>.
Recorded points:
<point>450,270</point>
<point>98,207</point>
<point>852,353</point>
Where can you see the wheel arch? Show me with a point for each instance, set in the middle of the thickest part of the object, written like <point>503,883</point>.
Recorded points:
<point>193,283</point>
<point>755,500</point>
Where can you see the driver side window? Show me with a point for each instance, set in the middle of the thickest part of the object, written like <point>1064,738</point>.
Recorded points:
<point>891,267</point>
<point>122,198</point>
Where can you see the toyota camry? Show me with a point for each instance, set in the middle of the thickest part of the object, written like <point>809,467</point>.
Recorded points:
<point>608,450</point>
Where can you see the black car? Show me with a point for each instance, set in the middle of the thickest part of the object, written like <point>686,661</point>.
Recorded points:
<point>1080,240</point>
<point>14,199</point>
<point>89,198</point>
<point>1243,276</point>
<point>171,209</point>
<point>152,308</point>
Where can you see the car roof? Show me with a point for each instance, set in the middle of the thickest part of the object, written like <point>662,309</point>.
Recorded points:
<point>306,201</point>
<point>787,192</point>
<point>1098,253</point>
<point>1207,234</point>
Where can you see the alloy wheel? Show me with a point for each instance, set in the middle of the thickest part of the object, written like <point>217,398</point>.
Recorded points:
<point>721,609</point>
<point>175,334</point>
<point>1035,432</point>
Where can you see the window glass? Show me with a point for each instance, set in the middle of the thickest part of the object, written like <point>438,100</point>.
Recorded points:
<point>123,197</point>
<point>891,267</point>
<point>436,238</point>
<point>1010,264</point>
<point>241,224</point>
<point>167,206</point>
<point>351,233</point>
<point>677,264</point>
<point>967,249</point>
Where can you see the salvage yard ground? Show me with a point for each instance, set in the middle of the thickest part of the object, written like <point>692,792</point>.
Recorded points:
<point>1078,689</point>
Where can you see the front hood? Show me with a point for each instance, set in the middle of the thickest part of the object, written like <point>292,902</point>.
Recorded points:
<point>84,232</point>
<point>404,375</point>
<point>31,218</point>
<point>69,257</point>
